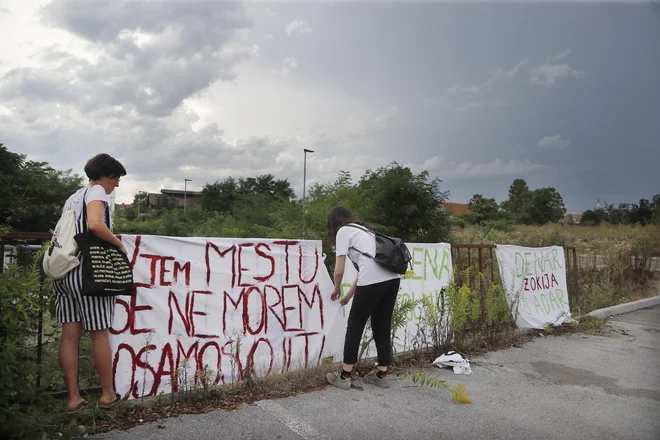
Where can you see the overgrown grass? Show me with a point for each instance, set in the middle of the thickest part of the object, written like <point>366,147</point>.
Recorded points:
<point>614,262</point>
<point>644,239</point>
<point>586,324</point>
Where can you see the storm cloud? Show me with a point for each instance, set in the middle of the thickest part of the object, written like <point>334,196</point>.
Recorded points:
<point>478,95</point>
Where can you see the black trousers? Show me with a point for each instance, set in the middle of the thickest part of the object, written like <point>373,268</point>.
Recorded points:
<point>376,301</point>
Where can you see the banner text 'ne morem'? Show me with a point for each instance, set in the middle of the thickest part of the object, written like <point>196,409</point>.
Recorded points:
<point>213,309</point>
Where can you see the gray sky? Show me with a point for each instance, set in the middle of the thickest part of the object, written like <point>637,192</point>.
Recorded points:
<point>564,95</point>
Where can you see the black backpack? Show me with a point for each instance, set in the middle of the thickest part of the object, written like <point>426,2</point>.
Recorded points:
<point>391,252</point>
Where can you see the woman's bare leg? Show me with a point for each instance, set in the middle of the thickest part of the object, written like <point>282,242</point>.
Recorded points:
<point>102,356</point>
<point>68,357</point>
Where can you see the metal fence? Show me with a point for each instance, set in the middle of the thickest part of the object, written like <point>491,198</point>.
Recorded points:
<point>478,263</point>
<point>650,264</point>
<point>22,239</point>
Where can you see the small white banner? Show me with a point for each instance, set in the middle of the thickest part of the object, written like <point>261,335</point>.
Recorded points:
<point>535,283</point>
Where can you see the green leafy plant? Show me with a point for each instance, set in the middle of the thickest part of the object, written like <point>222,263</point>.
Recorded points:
<point>475,311</point>
<point>402,309</point>
<point>22,296</point>
<point>424,379</point>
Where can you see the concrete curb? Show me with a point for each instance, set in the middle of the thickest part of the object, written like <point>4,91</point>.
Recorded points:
<point>624,308</point>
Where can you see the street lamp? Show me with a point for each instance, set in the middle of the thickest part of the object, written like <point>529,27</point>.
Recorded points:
<point>185,194</point>
<point>304,187</point>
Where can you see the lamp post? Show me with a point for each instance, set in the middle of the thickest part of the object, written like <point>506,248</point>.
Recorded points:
<point>304,187</point>
<point>185,194</point>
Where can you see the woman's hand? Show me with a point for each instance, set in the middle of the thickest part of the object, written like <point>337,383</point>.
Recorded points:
<point>335,293</point>
<point>346,299</point>
<point>349,294</point>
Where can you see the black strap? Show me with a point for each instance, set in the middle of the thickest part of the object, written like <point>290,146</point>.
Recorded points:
<point>362,228</point>
<point>107,213</point>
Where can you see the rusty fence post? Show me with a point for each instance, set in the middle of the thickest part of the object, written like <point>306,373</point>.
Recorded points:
<point>482,292</point>
<point>40,329</point>
<point>481,267</point>
<point>492,266</point>
<point>569,275</point>
<point>458,264</point>
<point>469,265</point>
<point>576,280</point>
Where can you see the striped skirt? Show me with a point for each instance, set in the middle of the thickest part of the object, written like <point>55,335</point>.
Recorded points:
<point>95,313</point>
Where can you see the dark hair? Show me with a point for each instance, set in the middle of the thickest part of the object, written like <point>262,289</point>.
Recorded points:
<point>340,216</point>
<point>104,165</point>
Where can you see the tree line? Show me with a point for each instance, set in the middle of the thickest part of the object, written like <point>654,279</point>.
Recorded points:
<point>524,206</point>
<point>546,205</point>
<point>644,212</point>
<point>33,193</point>
<point>393,199</point>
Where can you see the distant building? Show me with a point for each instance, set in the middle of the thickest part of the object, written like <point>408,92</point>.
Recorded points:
<point>191,198</point>
<point>455,209</point>
<point>572,218</point>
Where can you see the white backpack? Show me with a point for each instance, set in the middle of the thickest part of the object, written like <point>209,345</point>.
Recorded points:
<point>62,254</point>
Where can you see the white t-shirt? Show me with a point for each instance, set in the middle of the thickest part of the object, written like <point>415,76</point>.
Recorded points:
<point>95,192</point>
<point>369,272</point>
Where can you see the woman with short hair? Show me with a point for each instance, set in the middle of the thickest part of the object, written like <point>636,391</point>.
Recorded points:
<point>76,312</point>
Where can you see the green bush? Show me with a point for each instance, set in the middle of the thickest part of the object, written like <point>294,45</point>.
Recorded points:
<point>478,316</point>
<point>22,296</point>
<point>504,225</point>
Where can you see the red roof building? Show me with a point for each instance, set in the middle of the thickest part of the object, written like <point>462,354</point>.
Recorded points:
<point>456,208</point>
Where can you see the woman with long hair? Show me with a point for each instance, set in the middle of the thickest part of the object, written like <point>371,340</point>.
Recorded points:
<point>374,293</point>
<point>76,312</point>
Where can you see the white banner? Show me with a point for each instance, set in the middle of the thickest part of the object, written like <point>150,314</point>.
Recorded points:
<point>207,310</point>
<point>432,267</point>
<point>535,283</point>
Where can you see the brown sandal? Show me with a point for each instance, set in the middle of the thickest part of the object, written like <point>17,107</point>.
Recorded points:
<point>78,407</point>
<point>110,404</point>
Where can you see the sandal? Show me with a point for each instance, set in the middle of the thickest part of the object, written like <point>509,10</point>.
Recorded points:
<point>78,407</point>
<point>110,404</point>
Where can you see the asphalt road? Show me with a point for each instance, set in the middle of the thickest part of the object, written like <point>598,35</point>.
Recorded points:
<point>557,387</point>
